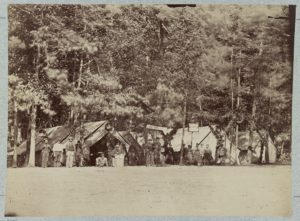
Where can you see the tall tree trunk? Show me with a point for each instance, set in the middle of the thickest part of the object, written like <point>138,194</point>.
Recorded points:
<point>80,72</point>
<point>161,38</point>
<point>28,143</point>
<point>269,126</point>
<point>232,102</point>
<point>237,107</point>
<point>231,81</point>
<point>200,108</point>
<point>15,111</point>
<point>256,91</point>
<point>31,162</point>
<point>77,115</point>
<point>183,129</point>
<point>253,112</point>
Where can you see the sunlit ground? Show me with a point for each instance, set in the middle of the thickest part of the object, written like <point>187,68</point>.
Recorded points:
<point>195,191</point>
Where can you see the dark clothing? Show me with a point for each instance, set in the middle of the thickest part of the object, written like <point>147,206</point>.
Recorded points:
<point>156,149</point>
<point>243,157</point>
<point>78,155</point>
<point>132,159</point>
<point>78,159</point>
<point>189,157</point>
<point>141,157</point>
<point>197,158</point>
<point>157,156</point>
<point>207,157</point>
<point>169,155</point>
<point>221,155</point>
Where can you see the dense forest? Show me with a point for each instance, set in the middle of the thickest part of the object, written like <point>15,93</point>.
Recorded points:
<point>134,65</point>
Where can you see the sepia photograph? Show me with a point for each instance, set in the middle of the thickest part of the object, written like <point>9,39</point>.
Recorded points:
<point>149,110</point>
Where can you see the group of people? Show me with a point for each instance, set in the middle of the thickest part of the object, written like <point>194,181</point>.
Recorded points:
<point>77,154</point>
<point>204,155</point>
<point>115,157</point>
<point>68,154</point>
<point>201,156</point>
<point>152,153</point>
<point>157,155</point>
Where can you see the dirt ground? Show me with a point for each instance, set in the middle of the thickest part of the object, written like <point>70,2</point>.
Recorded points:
<point>156,191</point>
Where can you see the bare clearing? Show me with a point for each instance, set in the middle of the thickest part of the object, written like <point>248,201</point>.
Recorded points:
<point>137,191</point>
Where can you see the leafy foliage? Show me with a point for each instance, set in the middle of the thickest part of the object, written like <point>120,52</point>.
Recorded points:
<point>139,63</point>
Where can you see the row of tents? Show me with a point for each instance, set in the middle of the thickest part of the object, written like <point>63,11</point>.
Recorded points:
<point>97,132</point>
<point>95,137</point>
<point>207,136</point>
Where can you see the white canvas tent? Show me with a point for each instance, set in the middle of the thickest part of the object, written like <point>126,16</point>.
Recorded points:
<point>244,138</point>
<point>204,136</point>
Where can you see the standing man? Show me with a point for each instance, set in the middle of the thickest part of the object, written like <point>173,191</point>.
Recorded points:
<point>207,157</point>
<point>197,156</point>
<point>45,153</point>
<point>169,154</point>
<point>78,154</point>
<point>189,155</point>
<point>70,148</point>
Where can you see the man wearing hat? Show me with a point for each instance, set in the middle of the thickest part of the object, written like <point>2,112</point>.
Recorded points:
<point>101,161</point>
<point>70,149</point>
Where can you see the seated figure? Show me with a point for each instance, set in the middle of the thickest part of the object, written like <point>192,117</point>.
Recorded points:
<point>101,161</point>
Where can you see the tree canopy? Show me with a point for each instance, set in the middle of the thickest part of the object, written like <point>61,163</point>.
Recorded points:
<point>141,63</point>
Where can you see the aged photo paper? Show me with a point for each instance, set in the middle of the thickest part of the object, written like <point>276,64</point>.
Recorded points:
<point>149,110</point>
